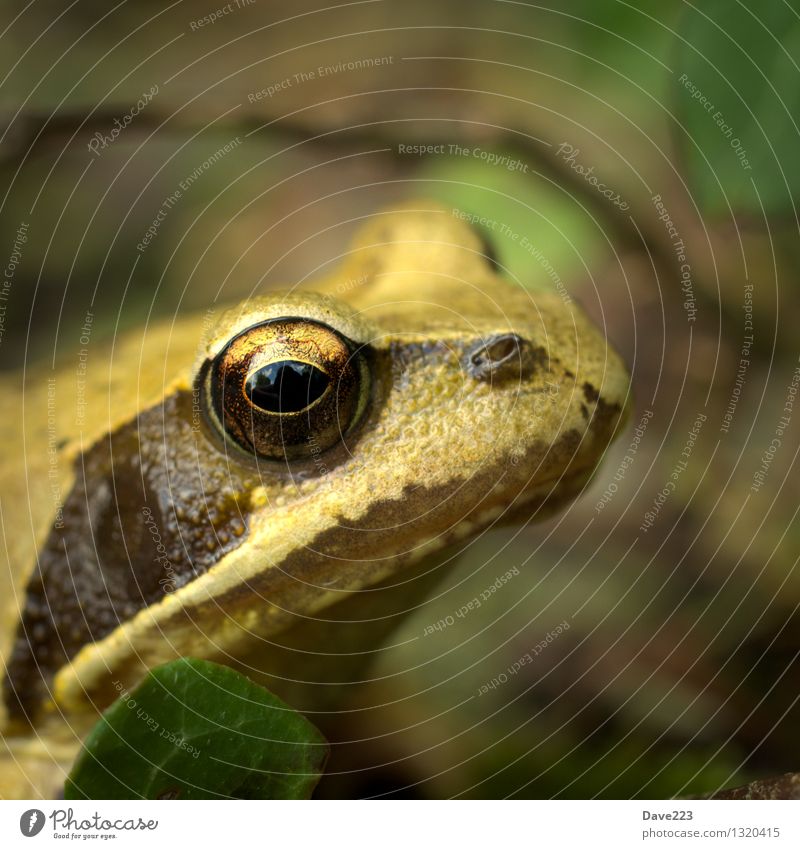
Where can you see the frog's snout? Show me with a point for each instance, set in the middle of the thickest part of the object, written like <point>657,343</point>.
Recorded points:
<point>503,356</point>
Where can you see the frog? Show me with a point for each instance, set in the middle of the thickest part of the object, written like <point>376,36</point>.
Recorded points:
<point>276,484</point>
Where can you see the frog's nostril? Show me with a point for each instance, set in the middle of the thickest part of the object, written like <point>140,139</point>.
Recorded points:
<point>503,356</point>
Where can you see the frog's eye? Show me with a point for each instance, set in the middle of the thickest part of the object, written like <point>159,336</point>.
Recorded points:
<point>287,388</point>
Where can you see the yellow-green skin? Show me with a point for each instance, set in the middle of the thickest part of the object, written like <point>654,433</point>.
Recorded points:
<point>439,457</point>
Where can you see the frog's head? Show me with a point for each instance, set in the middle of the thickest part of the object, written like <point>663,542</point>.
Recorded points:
<point>324,441</point>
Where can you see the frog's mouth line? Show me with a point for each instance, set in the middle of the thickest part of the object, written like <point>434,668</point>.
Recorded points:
<point>309,568</point>
<point>369,558</point>
<point>546,497</point>
<point>296,584</point>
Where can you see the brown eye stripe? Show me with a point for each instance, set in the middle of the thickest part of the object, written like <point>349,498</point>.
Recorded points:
<point>287,388</point>
<point>136,527</point>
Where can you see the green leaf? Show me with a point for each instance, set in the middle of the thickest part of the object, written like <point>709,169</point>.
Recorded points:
<point>737,99</point>
<point>197,730</point>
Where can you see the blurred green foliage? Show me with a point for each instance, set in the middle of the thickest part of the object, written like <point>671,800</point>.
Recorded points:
<point>738,104</point>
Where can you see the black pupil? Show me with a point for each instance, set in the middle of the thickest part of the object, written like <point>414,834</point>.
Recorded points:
<point>287,386</point>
